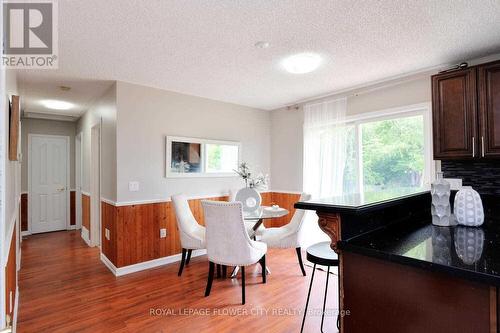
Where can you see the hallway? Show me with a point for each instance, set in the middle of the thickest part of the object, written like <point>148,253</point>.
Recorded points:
<point>65,288</point>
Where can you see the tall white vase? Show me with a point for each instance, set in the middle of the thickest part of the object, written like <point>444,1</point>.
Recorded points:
<point>441,209</point>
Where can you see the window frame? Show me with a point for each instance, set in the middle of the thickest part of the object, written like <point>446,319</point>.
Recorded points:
<point>203,142</point>
<point>422,109</point>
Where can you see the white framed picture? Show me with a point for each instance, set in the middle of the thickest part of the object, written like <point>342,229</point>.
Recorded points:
<point>194,157</point>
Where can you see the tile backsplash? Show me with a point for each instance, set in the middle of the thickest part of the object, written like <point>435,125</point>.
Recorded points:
<point>483,176</point>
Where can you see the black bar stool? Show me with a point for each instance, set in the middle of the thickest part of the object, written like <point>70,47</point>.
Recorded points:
<point>320,254</point>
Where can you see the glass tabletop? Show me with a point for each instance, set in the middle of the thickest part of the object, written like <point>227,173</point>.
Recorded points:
<point>265,212</point>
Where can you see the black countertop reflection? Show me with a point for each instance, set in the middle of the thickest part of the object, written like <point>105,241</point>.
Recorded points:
<point>468,252</point>
<point>363,202</point>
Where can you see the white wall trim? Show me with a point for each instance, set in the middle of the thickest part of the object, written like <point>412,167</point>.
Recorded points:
<point>192,197</point>
<point>85,236</point>
<point>286,192</point>
<point>25,233</point>
<point>146,264</point>
<point>9,234</point>
<point>16,306</point>
<point>108,201</point>
<point>86,193</point>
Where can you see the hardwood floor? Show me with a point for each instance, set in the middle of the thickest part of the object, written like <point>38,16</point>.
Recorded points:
<point>65,288</point>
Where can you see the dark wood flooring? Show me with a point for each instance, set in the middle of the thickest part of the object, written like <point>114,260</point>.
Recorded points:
<point>64,287</point>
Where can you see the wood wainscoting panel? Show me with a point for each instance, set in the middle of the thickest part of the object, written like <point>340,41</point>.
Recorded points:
<point>284,200</point>
<point>10,277</point>
<point>135,229</point>
<point>108,221</point>
<point>24,211</point>
<point>86,211</point>
<point>72,208</point>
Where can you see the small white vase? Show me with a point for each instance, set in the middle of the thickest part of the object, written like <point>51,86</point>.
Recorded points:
<point>440,209</point>
<point>468,207</point>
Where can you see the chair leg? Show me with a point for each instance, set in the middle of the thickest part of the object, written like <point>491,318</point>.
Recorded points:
<point>188,259</point>
<point>324,300</point>
<point>219,271</point>
<point>183,260</point>
<point>307,302</point>
<point>224,271</point>
<point>299,255</point>
<point>211,269</point>
<point>242,284</point>
<point>262,262</point>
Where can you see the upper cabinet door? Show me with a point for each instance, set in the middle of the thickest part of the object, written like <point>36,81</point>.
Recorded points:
<point>489,109</point>
<point>454,115</point>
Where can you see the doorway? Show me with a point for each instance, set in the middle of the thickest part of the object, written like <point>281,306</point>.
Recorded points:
<point>95,186</point>
<point>48,180</point>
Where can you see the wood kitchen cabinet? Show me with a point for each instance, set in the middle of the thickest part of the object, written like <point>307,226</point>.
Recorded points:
<point>466,113</point>
<point>489,108</point>
<point>454,112</point>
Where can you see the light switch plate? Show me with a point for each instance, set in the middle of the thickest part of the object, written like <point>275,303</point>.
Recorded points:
<point>133,186</point>
<point>163,233</point>
<point>106,233</point>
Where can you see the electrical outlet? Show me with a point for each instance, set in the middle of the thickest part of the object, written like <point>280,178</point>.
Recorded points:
<point>133,186</point>
<point>163,233</point>
<point>455,183</point>
<point>106,233</point>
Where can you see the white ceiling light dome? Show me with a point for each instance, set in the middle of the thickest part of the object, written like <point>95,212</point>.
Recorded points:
<point>57,105</point>
<point>302,63</point>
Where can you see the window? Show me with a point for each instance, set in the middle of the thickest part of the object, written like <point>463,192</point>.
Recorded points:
<point>191,157</point>
<point>381,151</point>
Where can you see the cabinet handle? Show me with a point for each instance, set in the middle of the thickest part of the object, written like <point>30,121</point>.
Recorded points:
<point>473,147</point>
<point>482,146</point>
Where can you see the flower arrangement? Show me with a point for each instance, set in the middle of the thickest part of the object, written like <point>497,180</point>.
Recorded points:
<point>260,182</point>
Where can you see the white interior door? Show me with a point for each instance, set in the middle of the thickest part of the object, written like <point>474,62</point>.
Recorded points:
<point>48,195</point>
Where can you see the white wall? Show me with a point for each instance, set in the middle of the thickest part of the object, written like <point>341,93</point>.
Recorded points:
<point>147,115</point>
<point>287,137</point>
<point>48,127</point>
<point>103,109</point>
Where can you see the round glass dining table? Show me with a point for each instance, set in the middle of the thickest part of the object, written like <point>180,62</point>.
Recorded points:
<point>257,217</point>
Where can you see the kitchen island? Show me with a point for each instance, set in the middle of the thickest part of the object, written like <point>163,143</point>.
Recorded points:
<point>399,273</point>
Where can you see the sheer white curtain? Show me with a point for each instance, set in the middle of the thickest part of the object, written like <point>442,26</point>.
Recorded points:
<point>324,156</point>
<point>324,147</point>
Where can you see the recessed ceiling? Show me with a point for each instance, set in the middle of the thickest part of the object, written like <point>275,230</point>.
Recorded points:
<point>207,48</point>
<point>42,94</point>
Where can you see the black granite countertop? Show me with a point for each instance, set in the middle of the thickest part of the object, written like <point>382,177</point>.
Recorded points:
<point>467,252</point>
<point>363,202</point>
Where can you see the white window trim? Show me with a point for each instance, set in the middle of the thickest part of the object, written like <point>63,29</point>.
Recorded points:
<point>203,142</point>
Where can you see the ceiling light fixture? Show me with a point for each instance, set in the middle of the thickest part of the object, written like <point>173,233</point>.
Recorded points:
<point>57,105</point>
<point>262,44</point>
<point>301,63</point>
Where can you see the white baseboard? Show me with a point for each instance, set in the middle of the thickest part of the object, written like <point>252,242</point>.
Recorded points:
<point>25,233</point>
<point>85,236</point>
<point>14,315</point>
<point>146,264</point>
<point>71,227</point>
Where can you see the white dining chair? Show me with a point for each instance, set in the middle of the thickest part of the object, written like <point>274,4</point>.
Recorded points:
<point>248,224</point>
<point>289,235</point>
<point>191,233</point>
<point>228,243</point>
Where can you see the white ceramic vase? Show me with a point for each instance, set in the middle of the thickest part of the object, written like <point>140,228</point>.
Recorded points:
<point>441,209</point>
<point>468,207</point>
<point>469,244</point>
